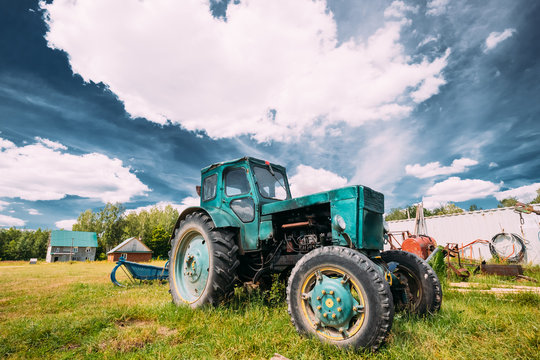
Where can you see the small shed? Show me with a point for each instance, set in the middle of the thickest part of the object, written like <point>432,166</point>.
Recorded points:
<point>71,246</point>
<point>132,249</point>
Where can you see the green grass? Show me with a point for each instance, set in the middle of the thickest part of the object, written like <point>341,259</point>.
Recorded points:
<point>67,311</point>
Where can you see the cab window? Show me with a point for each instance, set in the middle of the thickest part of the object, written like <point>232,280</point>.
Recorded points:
<point>236,182</point>
<point>209,188</point>
<point>244,208</point>
<point>271,186</point>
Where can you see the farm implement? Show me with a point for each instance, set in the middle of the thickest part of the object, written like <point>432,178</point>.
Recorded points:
<point>133,271</point>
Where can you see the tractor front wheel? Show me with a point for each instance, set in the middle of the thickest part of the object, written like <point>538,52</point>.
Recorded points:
<point>419,290</point>
<point>203,262</point>
<point>338,295</point>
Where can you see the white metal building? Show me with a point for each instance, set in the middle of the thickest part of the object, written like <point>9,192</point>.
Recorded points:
<point>483,224</point>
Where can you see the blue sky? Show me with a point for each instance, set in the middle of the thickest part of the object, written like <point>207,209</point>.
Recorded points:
<point>126,101</point>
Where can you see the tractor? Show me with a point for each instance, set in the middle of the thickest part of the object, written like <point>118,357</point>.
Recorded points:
<point>342,288</point>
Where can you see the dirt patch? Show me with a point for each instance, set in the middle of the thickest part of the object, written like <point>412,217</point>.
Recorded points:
<point>135,334</point>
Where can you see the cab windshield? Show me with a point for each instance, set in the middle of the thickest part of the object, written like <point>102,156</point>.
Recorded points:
<point>270,186</point>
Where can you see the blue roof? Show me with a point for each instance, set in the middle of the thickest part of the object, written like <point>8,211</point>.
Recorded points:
<point>73,238</point>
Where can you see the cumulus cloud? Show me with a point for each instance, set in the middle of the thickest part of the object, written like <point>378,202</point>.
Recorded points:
<point>398,9</point>
<point>308,180</point>
<point>3,204</point>
<point>43,171</point>
<point>65,224</point>
<point>434,168</point>
<point>33,212</point>
<point>11,221</point>
<point>6,144</point>
<point>455,189</point>
<point>493,165</point>
<point>184,204</point>
<point>51,144</point>
<point>273,70</point>
<point>437,7</point>
<point>524,193</point>
<point>497,37</point>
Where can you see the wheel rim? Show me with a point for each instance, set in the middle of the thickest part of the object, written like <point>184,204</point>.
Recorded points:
<point>192,265</point>
<point>333,303</point>
<point>413,286</point>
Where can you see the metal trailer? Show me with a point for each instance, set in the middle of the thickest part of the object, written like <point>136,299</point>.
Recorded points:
<point>135,271</point>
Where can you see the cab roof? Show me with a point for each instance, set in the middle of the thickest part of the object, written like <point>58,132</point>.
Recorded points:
<point>245,159</point>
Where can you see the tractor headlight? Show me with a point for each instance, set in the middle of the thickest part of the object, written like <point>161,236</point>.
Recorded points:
<point>339,223</point>
<point>386,227</point>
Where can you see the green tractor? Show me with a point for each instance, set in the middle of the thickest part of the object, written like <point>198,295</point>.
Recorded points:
<point>342,288</point>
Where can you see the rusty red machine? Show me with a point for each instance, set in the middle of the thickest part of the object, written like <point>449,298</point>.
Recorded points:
<point>418,243</point>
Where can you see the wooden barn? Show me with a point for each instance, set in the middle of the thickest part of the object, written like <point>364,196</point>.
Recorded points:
<point>71,246</point>
<point>131,249</point>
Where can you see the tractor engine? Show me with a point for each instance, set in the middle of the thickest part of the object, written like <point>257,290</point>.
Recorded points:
<point>303,240</point>
<point>302,232</point>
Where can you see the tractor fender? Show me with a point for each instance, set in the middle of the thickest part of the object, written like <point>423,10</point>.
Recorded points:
<point>220,218</point>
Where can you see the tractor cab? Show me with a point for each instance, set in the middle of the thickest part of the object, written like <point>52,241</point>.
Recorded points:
<point>235,191</point>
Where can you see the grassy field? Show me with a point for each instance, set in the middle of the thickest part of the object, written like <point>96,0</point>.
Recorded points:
<point>70,311</point>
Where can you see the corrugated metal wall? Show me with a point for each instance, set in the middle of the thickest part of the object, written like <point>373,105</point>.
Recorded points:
<point>484,224</point>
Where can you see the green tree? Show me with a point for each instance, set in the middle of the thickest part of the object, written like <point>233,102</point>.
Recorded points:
<point>509,202</point>
<point>88,221</point>
<point>396,214</point>
<point>409,212</point>
<point>536,200</point>
<point>108,223</point>
<point>143,223</point>
<point>447,209</point>
<point>474,207</point>
<point>159,242</point>
<point>112,221</point>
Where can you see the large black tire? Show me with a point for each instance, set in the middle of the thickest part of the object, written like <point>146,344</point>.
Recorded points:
<point>219,265</point>
<point>419,291</point>
<point>373,310</point>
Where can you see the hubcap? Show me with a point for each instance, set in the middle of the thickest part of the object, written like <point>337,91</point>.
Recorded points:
<point>334,300</point>
<point>192,266</point>
<point>333,303</point>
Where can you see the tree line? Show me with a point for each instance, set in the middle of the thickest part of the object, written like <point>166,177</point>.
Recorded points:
<point>154,227</point>
<point>112,224</point>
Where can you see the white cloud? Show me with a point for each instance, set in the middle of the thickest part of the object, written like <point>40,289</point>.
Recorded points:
<point>65,224</point>
<point>33,212</point>
<point>434,168</point>
<point>524,193</point>
<point>437,7</point>
<point>51,144</point>
<point>184,204</point>
<point>308,180</point>
<point>6,144</point>
<point>428,40</point>
<point>41,171</point>
<point>380,165</point>
<point>496,37</point>
<point>493,164</point>
<point>11,221</point>
<point>455,189</point>
<point>398,9</point>
<point>177,62</point>
<point>3,204</point>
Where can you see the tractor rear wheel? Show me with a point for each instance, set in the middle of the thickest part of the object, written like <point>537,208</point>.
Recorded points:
<point>419,291</point>
<point>203,262</point>
<point>338,295</point>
